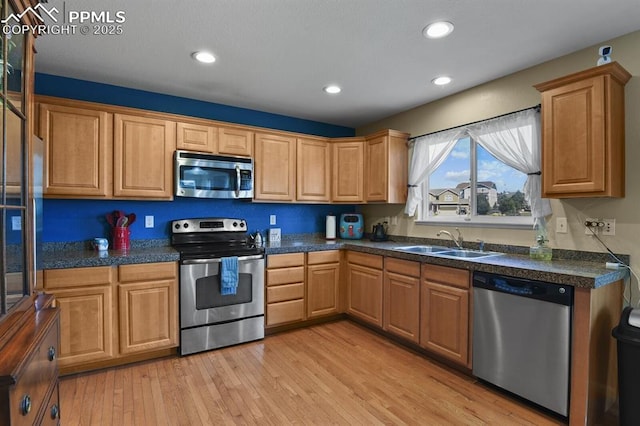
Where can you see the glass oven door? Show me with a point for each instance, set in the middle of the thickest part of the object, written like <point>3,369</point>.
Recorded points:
<point>201,302</point>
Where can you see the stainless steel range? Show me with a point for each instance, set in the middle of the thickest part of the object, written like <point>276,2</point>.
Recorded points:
<point>210,317</point>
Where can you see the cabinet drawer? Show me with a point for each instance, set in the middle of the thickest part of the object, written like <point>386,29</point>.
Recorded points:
<point>77,277</point>
<point>445,275</point>
<point>370,260</point>
<point>281,312</point>
<point>285,260</point>
<point>51,414</point>
<point>317,257</point>
<point>403,267</point>
<point>147,272</point>
<point>285,292</point>
<point>35,382</point>
<point>285,275</point>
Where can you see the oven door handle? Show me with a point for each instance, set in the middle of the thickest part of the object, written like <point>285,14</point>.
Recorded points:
<point>201,261</point>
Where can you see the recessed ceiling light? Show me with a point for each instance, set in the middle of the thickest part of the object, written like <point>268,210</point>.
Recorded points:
<point>441,81</point>
<point>438,29</point>
<point>332,89</point>
<point>204,57</point>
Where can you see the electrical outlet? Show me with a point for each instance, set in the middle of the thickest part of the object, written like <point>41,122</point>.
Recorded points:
<point>148,222</point>
<point>561,225</point>
<point>16,223</point>
<point>609,227</point>
<point>593,224</point>
<point>272,219</point>
<point>394,220</point>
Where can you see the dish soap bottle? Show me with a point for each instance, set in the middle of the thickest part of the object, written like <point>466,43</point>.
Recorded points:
<point>540,251</point>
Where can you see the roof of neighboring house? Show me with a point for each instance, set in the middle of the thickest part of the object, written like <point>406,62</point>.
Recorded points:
<point>438,191</point>
<point>487,184</point>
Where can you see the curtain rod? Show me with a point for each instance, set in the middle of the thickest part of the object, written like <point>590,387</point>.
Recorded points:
<point>413,138</point>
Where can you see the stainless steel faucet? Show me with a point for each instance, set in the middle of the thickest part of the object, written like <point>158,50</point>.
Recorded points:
<point>458,241</point>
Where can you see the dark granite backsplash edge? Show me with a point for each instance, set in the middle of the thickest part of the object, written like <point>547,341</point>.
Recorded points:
<point>559,254</point>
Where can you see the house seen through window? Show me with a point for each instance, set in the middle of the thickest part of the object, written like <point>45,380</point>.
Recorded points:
<point>473,185</point>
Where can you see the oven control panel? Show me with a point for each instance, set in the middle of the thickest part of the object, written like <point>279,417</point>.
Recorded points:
<point>208,225</point>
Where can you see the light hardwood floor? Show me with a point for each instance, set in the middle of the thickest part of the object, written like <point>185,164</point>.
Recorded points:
<point>336,373</point>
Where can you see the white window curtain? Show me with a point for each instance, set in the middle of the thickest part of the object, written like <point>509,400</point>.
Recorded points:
<point>515,140</point>
<point>429,152</point>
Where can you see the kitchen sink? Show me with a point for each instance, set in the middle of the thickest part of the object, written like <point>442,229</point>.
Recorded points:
<point>467,254</point>
<point>422,249</point>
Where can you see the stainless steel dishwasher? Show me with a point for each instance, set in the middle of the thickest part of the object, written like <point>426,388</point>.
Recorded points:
<point>522,337</point>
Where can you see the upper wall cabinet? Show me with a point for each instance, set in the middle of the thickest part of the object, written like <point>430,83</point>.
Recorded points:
<point>386,165</point>
<point>275,167</point>
<point>583,133</point>
<point>235,141</point>
<point>78,147</point>
<point>313,181</point>
<point>348,170</point>
<point>197,137</point>
<point>142,157</point>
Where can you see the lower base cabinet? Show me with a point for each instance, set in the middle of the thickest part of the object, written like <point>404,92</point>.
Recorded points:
<point>323,283</point>
<point>444,299</point>
<point>402,298</point>
<point>112,312</point>
<point>365,287</point>
<point>285,289</point>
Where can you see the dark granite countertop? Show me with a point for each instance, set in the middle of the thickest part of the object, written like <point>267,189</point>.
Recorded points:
<point>578,269</point>
<point>569,270</point>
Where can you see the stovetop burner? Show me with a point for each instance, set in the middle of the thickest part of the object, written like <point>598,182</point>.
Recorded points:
<point>209,238</point>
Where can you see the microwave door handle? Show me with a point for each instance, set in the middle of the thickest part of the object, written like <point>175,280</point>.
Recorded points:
<point>238,181</point>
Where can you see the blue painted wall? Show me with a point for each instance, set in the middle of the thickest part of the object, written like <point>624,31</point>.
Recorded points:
<point>79,220</point>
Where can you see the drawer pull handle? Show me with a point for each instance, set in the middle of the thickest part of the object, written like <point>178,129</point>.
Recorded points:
<point>52,353</point>
<point>25,405</point>
<point>55,412</point>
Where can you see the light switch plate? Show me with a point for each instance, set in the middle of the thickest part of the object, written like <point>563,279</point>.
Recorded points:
<point>16,223</point>
<point>274,235</point>
<point>148,222</point>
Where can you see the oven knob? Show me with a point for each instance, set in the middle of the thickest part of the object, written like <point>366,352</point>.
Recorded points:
<point>235,224</point>
<point>185,226</point>
<point>177,226</point>
<point>241,224</point>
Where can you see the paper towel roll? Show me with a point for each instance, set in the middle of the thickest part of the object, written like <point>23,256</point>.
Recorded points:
<point>331,227</point>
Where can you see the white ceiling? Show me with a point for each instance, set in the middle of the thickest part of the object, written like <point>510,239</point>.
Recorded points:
<point>277,55</point>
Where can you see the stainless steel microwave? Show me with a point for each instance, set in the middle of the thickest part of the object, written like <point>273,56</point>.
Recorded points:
<point>203,175</point>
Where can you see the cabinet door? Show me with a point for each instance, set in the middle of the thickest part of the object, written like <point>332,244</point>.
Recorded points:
<point>348,172</point>
<point>313,170</point>
<point>148,313</point>
<point>234,141</point>
<point>444,327</point>
<point>196,137</point>
<point>376,169</point>
<point>275,167</point>
<point>142,163</point>
<point>574,159</point>
<point>365,293</point>
<point>402,305</point>
<point>78,144</point>
<point>86,320</point>
<point>322,289</point>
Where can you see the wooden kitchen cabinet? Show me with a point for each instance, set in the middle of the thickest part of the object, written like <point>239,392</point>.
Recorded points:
<point>196,137</point>
<point>348,170</point>
<point>365,287</point>
<point>109,314</point>
<point>147,306</point>
<point>285,288</point>
<point>402,298</point>
<point>386,167</point>
<point>143,157</point>
<point>235,141</point>
<point>444,323</point>
<point>275,167</point>
<point>78,150</point>
<point>85,299</point>
<point>13,154</point>
<point>323,283</point>
<point>313,157</point>
<point>583,135</point>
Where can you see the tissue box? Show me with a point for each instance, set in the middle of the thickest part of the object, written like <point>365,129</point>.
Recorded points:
<point>274,235</point>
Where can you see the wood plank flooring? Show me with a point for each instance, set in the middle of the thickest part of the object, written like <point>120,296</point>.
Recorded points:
<point>336,373</point>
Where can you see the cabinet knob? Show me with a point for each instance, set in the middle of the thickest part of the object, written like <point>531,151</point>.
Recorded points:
<point>25,405</point>
<point>55,412</point>
<point>52,353</point>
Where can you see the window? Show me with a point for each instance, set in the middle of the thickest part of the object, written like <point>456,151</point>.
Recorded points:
<point>473,184</point>
<point>486,172</point>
